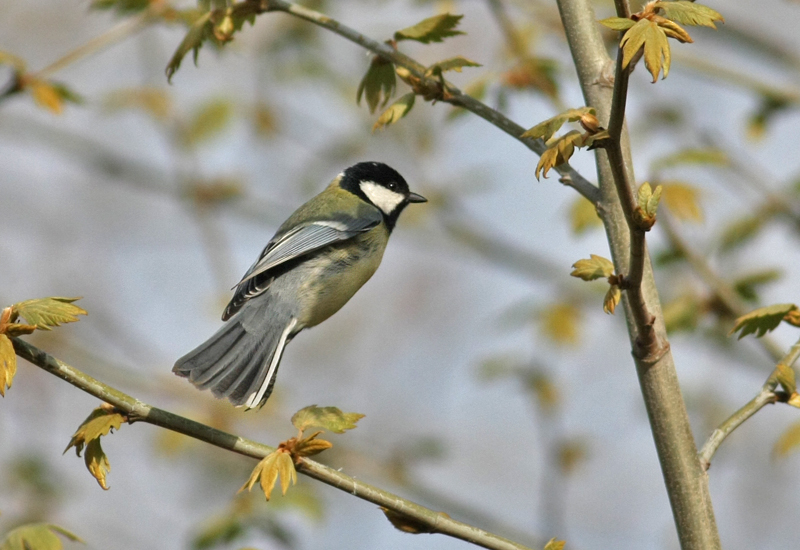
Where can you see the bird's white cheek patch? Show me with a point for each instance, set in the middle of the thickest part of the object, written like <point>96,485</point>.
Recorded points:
<point>385,199</point>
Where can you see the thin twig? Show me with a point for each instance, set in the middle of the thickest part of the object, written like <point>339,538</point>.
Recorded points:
<point>138,411</point>
<point>454,96</point>
<point>766,396</point>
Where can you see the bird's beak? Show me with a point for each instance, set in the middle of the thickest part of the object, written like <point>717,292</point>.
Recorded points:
<point>414,197</point>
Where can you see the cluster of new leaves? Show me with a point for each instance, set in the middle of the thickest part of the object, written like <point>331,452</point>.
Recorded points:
<point>47,94</point>
<point>649,29</point>
<point>37,536</point>
<point>102,421</point>
<point>41,314</point>
<point>766,319</point>
<point>379,83</point>
<point>648,198</point>
<point>597,267</point>
<point>559,150</point>
<point>281,462</point>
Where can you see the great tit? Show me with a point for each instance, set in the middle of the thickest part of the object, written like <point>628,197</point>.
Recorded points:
<point>313,265</point>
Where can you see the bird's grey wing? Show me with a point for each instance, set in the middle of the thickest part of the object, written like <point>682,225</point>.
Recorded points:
<point>296,243</point>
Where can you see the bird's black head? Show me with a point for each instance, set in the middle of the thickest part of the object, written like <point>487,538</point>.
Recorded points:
<point>381,186</point>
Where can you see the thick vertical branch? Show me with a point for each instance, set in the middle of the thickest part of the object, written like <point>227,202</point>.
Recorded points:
<point>685,480</point>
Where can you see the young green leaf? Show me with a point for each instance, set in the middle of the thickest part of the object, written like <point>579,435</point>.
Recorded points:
<point>741,231</point>
<point>432,29</point>
<point>8,364</point>
<point>788,441</point>
<point>561,323</point>
<point>747,285</point>
<point>46,313</point>
<point>648,199</point>
<point>554,544</point>
<point>546,129</point>
<point>37,536</point>
<point>762,320</point>
<point>276,464</point>
<point>310,445</point>
<point>618,23</point>
<point>208,121</point>
<point>46,96</point>
<point>583,216</point>
<point>97,462</point>
<point>452,64</point>
<point>672,29</point>
<point>379,80</point>
<point>689,13</point>
<point>559,152</point>
<point>327,418</point>
<point>396,111</point>
<point>593,268</point>
<point>682,200</point>
<point>199,31</point>
<point>648,35</point>
<point>611,300</point>
<point>100,422</point>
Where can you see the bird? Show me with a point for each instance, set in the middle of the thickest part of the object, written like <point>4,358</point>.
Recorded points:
<point>316,261</point>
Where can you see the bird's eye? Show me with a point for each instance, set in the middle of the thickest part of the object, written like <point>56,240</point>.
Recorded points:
<point>392,186</point>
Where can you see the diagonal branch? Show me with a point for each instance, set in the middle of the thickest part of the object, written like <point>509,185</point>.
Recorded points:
<point>766,396</point>
<point>454,96</point>
<point>138,411</point>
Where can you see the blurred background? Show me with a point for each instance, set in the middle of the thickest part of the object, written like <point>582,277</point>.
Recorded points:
<point>494,387</point>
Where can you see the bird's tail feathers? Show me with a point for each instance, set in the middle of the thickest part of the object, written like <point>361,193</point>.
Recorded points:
<point>240,361</point>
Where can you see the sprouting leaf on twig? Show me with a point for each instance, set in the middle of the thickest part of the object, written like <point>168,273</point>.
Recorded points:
<point>559,152</point>
<point>765,319</point>
<point>786,377</point>
<point>327,418</point>
<point>595,267</point>
<point>546,129</point>
<point>198,32</point>
<point>395,112</point>
<point>8,364</point>
<point>48,312</point>
<point>276,464</point>
<point>432,29</point>
<point>618,23</point>
<point>611,300</point>
<point>648,35</point>
<point>37,536</point>
<point>102,421</point>
<point>378,83</point>
<point>452,64</point>
<point>689,13</point>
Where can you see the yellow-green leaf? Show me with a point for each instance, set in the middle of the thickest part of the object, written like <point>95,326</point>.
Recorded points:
<point>208,121</point>
<point>747,285</point>
<point>618,23</point>
<point>554,544</point>
<point>432,29</point>
<point>8,364</point>
<point>788,441</point>
<point>559,152</point>
<point>310,445</point>
<point>100,422</point>
<point>199,31</point>
<point>452,64</point>
<point>396,111</point>
<point>46,95</point>
<point>546,129</point>
<point>611,300</point>
<point>689,13</point>
<point>786,378</point>
<point>672,29</point>
<point>682,200</point>
<point>97,462</point>
<point>692,156</point>
<point>646,33</point>
<point>649,198</point>
<point>561,323</point>
<point>267,471</point>
<point>379,82</point>
<point>154,101</point>
<point>762,320</point>
<point>682,313</point>
<point>49,312</point>
<point>327,418</point>
<point>593,268</point>
<point>741,231</point>
<point>37,536</point>
<point>583,215</point>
